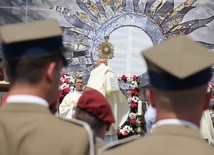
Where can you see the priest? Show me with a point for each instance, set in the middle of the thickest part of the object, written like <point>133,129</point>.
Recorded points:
<point>105,80</point>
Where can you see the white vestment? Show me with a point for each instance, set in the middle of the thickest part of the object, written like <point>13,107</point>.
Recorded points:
<point>206,126</point>
<point>103,79</point>
<point>69,101</point>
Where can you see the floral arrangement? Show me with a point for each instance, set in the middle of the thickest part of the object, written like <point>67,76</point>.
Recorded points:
<point>128,128</point>
<point>125,131</point>
<point>210,87</point>
<point>66,85</point>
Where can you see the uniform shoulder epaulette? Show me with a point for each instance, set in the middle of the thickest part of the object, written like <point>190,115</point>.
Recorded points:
<point>88,130</point>
<point>118,143</point>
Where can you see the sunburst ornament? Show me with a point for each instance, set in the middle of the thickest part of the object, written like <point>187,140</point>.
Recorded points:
<point>159,19</point>
<point>91,20</point>
<point>106,49</point>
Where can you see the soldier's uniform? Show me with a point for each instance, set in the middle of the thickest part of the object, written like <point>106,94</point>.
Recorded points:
<point>27,126</point>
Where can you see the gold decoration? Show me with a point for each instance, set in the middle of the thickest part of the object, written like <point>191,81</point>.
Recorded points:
<point>106,49</point>
<point>139,129</point>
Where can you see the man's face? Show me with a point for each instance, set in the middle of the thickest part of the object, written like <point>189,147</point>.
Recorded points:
<point>79,84</point>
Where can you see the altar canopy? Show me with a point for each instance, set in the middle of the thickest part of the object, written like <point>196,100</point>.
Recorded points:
<point>132,26</point>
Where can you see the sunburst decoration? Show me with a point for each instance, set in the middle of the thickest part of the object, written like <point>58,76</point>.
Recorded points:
<point>106,49</point>
<point>160,19</point>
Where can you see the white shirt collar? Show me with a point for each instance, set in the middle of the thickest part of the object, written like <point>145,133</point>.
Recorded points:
<point>27,99</point>
<point>98,139</point>
<point>176,122</point>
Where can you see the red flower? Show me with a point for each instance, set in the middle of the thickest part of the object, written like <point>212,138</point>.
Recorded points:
<point>60,95</point>
<point>134,78</point>
<point>133,121</point>
<point>67,81</point>
<point>133,105</point>
<point>124,78</point>
<point>126,133</point>
<point>118,132</point>
<point>135,92</point>
<point>67,90</point>
<point>61,82</point>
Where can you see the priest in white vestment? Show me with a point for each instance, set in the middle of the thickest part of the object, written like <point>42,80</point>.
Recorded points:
<point>70,100</point>
<point>104,79</point>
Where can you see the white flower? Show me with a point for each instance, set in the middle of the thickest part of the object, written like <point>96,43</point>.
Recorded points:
<point>126,128</point>
<point>129,79</point>
<point>62,78</point>
<point>61,87</point>
<point>135,99</point>
<point>132,115</point>
<point>129,100</point>
<point>133,86</point>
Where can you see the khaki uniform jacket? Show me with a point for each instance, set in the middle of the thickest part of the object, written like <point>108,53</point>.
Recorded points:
<point>166,140</point>
<point>29,129</point>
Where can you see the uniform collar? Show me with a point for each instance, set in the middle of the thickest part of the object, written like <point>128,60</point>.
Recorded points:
<point>27,99</point>
<point>176,122</point>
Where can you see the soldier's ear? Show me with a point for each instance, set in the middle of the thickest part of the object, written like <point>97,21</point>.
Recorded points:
<point>207,101</point>
<point>51,68</point>
<point>150,97</point>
